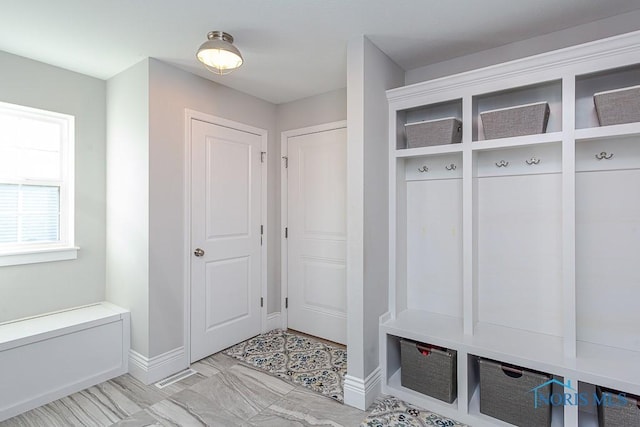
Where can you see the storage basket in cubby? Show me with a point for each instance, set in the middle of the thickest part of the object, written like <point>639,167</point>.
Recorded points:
<point>618,106</point>
<point>506,393</point>
<point>520,120</point>
<point>616,411</point>
<point>429,370</point>
<point>433,132</point>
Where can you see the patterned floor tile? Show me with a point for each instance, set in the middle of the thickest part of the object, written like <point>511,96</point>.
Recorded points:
<point>389,411</point>
<point>302,360</point>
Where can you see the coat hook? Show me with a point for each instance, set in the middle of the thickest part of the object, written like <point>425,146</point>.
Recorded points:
<point>502,164</point>
<point>423,169</point>
<point>451,167</point>
<point>532,161</point>
<point>604,155</point>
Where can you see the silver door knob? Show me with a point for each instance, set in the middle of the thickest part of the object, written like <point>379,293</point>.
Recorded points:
<point>198,252</point>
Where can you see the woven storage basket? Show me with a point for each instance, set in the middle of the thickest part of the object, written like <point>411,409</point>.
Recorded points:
<point>429,370</point>
<point>618,106</point>
<point>615,413</point>
<point>505,394</point>
<point>521,120</point>
<point>433,132</point>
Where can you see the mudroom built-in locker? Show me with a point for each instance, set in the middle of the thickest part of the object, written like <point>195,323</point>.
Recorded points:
<point>519,252</point>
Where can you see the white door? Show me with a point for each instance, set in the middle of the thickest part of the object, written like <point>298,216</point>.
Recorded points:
<point>225,237</point>
<point>317,233</point>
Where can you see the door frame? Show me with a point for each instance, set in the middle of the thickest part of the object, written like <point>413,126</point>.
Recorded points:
<point>284,205</point>
<point>263,134</point>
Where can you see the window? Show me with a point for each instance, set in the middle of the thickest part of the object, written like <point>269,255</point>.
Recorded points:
<point>36,185</point>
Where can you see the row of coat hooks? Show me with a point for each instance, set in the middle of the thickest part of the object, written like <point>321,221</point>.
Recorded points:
<point>450,167</point>
<point>532,161</point>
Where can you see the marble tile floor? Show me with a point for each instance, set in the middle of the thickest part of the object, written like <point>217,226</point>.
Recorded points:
<point>224,392</point>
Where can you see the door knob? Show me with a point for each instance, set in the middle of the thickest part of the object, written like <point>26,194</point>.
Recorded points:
<point>198,252</point>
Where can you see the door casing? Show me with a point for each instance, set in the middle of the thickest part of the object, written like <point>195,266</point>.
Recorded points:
<point>188,249</point>
<point>284,205</point>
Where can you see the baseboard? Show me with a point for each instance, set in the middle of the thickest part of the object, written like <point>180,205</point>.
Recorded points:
<point>274,321</point>
<point>151,370</point>
<point>362,393</point>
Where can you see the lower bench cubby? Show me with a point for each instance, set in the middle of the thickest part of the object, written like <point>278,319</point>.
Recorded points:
<point>429,370</point>
<point>616,408</point>
<point>514,394</point>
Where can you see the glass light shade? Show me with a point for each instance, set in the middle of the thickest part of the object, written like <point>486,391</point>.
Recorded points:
<point>218,53</point>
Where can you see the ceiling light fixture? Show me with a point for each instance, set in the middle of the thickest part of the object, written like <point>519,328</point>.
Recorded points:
<point>219,54</point>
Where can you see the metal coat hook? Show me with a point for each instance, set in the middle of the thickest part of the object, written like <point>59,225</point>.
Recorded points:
<point>532,161</point>
<point>423,169</point>
<point>451,167</point>
<point>502,164</point>
<point>604,155</point>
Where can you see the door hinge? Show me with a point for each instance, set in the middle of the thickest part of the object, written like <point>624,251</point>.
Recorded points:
<point>286,302</point>
<point>262,229</point>
<point>286,161</point>
<point>286,232</point>
<point>261,302</point>
<point>263,154</point>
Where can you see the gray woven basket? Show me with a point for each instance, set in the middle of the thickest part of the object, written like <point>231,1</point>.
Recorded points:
<point>614,414</point>
<point>429,370</point>
<point>505,394</point>
<point>618,106</point>
<point>433,132</point>
<point>521,120</point>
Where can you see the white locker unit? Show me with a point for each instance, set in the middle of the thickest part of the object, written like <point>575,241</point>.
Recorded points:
<point>526,249</point>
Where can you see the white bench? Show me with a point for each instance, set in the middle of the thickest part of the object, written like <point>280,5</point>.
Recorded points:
<point>47,357</point>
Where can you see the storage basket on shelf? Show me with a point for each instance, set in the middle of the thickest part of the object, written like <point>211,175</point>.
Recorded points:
<point>433,132</point>
<point>506,394</point>
<point>520,120</point>
<point>429,370</point>
<point>615,411</point>
<point>618,106</point>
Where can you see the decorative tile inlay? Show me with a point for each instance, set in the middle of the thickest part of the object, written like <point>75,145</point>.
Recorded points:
<point>391,411</point>
<point>313,364</point>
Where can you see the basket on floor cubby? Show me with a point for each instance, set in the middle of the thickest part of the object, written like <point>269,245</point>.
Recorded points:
<point>506,393</point>
<point>429,370</point>
<point>617,408</point>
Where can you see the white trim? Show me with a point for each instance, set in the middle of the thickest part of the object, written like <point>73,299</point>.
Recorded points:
<point>361,393</point>
<point>263,133</point>
<point>32,256</point>
<point>274,321</point>
<point>284,205</point>
<point>150,370</point>
<point>64,248</point>
<point>583,58</point>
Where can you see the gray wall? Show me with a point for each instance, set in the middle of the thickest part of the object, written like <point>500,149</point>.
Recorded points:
<point>369,74</point>
<point>315,110</point>
<point>127,283</point>
<point>380,74</point>
<point>32,289</point>
<point>596,30</point>
<point>171,91</point>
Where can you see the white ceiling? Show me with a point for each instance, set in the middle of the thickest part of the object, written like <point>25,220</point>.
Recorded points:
<point>292,48</point>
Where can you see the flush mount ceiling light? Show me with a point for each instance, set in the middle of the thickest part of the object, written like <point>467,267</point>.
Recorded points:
<point>219,54</point>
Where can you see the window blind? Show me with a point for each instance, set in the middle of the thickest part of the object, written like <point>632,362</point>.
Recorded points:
<point>29,213</point>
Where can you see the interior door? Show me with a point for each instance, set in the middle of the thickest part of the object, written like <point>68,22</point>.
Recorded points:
<point>225,236</point>
<point>317,233</point>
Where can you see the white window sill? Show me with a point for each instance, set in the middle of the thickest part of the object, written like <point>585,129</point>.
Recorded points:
<point>36,255</point>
